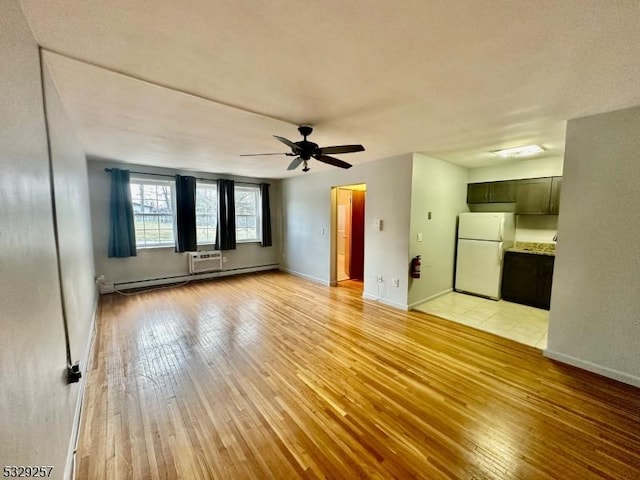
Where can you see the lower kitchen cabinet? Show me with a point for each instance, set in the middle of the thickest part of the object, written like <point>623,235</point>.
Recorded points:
<point>527,279</point>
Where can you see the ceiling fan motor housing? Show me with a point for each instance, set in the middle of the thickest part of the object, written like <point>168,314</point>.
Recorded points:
<point>305,130</point>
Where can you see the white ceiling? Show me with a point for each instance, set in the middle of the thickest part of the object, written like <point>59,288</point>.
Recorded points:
<point>193,84</point>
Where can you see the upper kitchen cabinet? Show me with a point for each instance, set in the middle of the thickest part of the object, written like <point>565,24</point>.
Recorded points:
<point>554,203</point>
<point>492,192</point>
<point>533,196</point>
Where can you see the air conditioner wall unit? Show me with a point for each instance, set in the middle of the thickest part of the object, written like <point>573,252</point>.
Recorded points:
<point>208,261</point>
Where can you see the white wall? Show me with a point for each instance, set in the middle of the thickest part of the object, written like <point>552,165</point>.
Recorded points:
<point>538,167</point>
<point>157,263</point>
<point>36,405</point>
<point>307,212</point>
<point>74,221</point>
<point>440,188</point>
<point>595,305</point>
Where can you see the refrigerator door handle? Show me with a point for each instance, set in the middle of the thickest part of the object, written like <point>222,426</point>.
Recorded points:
<point>502,229</point>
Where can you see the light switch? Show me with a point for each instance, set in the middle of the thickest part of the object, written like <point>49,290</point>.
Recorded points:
<point>377,224</point>
<point>322,231</point>
<point>420,236</point>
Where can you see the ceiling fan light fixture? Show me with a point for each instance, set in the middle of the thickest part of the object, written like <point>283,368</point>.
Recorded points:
<point>516,152</point>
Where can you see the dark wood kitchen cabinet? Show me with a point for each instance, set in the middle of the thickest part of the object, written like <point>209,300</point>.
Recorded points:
<point>527,279</point>
<point>492,192</point>
<point>539,196</point>
<point>533,195</point>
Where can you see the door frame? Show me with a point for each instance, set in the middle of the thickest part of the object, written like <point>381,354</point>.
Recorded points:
<point>333,244</point>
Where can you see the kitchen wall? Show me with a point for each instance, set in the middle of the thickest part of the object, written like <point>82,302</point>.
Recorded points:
<point>307,207</point>
<point>538,167</point>
<point>536,228</point>
<point>440,188</point>
<point>152,264</point>
<point>595,304</point>
<point>37,407</point>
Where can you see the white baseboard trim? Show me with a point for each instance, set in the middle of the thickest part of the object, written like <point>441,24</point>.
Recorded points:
<point>593,367</point>
<point>432,297</point>
<point>305,276</point>
<point>69,469</point>
<point>154,282</point>
<point>390,303</point>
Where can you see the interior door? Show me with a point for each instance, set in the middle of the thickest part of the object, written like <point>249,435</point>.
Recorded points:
<point>347,232</point>
<point>356,267</point>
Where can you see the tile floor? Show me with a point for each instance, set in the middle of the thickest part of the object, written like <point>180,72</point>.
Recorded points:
<point>521,323</point>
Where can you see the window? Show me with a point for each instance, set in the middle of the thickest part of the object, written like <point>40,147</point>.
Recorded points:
<point>206,212</point>
<point>247,213</point>
<point>153,210</point>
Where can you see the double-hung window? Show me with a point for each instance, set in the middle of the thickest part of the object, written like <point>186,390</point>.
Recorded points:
<point>248,209</point>
<point>206,212</point>
<point>154,211</point>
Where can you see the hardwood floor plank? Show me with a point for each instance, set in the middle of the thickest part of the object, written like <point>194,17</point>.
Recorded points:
<point>270,376</point>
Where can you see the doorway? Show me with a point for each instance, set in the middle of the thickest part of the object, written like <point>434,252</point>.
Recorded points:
<point>349,233</point>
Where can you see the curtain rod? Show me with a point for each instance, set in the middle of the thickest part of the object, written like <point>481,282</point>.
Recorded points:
<point>173,176</point>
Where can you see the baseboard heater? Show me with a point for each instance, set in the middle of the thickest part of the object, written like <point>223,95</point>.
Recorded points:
<point>209,261</point>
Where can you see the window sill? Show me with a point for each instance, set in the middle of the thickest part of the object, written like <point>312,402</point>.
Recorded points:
<point>154,247</point>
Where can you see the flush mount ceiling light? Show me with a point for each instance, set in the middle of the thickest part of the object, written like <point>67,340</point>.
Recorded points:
<point>524,151</point>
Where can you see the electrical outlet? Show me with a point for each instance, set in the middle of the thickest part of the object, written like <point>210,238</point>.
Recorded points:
<point>224,259</point>
<point>99,279</point>
<point>380,280</point>
<point>395,282</point>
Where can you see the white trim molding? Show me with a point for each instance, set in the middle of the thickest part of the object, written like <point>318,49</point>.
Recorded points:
<point>69,470</point>
<point>432,297</point>
<point>305,276</point>
<point>593,367</point>
<point>390,303</point>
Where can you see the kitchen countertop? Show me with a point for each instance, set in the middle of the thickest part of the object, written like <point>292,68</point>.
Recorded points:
<point>534,248</point>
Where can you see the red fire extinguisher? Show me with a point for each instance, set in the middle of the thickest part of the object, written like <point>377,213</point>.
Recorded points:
<point>415,267</point>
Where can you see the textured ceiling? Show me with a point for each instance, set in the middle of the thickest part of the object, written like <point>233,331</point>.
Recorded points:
<point>193,84</point>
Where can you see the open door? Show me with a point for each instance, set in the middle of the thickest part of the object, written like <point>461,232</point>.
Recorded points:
<point>356,259</point>
<point>349,233</point>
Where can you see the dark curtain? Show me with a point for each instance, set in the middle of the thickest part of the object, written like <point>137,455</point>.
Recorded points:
<point>122,236</point>
<point>226,231</point>
<point>266,215</point>
<point>186,214</point>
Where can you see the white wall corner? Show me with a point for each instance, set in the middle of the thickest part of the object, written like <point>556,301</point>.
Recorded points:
<point>305,276</point>
<point>390,303</point>
<point>432,297</point>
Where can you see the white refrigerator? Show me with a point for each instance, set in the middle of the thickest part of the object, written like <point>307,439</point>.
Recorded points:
<point>482,240</point>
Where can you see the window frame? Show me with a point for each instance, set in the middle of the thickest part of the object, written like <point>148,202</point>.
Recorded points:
<point>258,215</point>
<point>148,180</point>
<point>212,185</point>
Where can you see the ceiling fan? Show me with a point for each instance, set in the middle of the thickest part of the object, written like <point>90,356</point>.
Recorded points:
<point>304,150</point>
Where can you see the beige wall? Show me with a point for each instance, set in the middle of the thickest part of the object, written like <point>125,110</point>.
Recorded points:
<point>440,188</point>
<point>307,213</point>
<point>595,305</point>
<point>36,405</point>
<point>151,264</point>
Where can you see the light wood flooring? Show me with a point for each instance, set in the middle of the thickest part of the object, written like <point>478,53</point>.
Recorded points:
<point>271,376</point>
